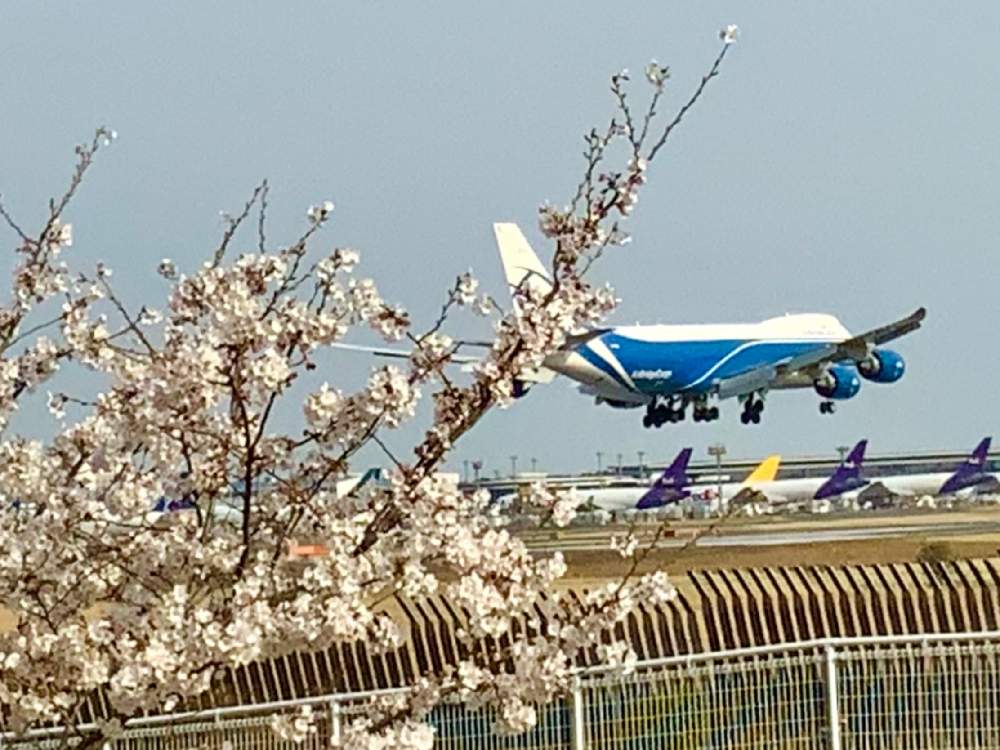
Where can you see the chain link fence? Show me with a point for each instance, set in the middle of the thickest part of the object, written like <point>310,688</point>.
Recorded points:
<point>896,693</point>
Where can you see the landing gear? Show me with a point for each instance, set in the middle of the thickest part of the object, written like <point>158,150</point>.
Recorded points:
<point>827,407</point>
<point>702,412</point>
<point>674,409</point>
<point>706,414</point>
<point>659,413</point>
<point>752,409</point>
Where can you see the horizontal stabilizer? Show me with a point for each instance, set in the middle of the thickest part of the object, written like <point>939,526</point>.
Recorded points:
<point>381,351</point>
<point>537,375</point>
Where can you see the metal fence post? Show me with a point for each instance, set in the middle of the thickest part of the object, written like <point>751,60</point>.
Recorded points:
<point>335,722</point>
<point>832,697</point>
<point>578,735</point>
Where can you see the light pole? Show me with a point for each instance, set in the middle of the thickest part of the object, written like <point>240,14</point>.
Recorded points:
<point>534,464</point>
<point>718,450</point>
<point>513,465</point>
<point>599,456</point>
<point>465,471</point>
<point>619,464</point>
<point>476,466</point>
<point>642,466</point>
<point>842,450</point>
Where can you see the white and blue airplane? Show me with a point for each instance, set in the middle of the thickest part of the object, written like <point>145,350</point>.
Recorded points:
<point>667,368</point>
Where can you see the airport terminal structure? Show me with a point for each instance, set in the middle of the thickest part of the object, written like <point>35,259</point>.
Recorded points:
<point>704,471</point>
<point>707,473</point>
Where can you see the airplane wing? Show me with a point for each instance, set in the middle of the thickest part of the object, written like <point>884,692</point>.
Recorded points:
<point>857,347</point>
<point>538,375</point>
<point>806,366</point>
<point>542,375</point>
<point>378,351</point>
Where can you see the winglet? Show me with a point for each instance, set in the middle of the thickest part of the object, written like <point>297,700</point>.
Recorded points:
<point>766,471</point>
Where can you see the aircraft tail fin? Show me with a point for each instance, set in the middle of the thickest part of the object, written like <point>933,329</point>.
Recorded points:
<point>853,461</point>
<point>350,485</point>
<point>521,265</point>
<point>671,485</point>
<point>981,452</point>
<point>847,476</point>
<point>765,472</point>
<point>675,475</point>
<point>971,471</point>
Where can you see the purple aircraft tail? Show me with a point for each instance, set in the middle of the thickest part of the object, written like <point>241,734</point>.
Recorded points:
<point>970,472</point>
<point>670,487</point>
<point>847,476</point>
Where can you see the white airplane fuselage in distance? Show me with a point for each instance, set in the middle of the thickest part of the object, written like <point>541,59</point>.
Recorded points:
<point>922,484</point>
<point>805,488</point>
<point>776,490</point>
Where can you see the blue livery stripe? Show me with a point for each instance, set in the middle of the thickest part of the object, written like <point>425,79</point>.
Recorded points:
<point>601,364</point>
<point>692,365</point>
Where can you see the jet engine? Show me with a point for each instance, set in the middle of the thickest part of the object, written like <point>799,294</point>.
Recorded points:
<point>838,382</point>
<point>882,366</point>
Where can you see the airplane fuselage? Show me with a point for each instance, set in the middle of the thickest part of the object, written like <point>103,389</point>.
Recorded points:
<point>632,365</point>
<point>930,484</point>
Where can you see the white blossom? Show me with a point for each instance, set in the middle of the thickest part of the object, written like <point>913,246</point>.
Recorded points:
<point>62,234</point>
<point>320,213</point>
<point>729,33</point>
<point>466,288</point>
<point>205,450</point>
<point>625,545</point>
<point>657,74</point>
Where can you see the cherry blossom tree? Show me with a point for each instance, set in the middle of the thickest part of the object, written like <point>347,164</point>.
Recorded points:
<point>148,608</point>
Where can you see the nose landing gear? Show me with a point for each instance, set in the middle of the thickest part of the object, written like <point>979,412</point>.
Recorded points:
<point>827,407</point>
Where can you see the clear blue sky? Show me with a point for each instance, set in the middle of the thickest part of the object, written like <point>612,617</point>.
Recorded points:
<point>846,161</point>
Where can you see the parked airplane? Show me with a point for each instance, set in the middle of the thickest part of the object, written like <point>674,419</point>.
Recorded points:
<point>966,477</point>
<point>666,368</point>
<point>764,474</point>
<point>848,480</point>
<point>845,479</point>
<point>230,509</point>
<point>671,487</point>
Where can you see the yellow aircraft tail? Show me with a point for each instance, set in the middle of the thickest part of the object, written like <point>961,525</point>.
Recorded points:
<point>765,472</point>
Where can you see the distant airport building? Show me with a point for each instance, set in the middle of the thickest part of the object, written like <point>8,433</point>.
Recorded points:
<point>736,470</point>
